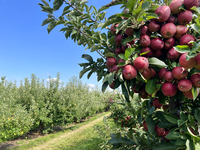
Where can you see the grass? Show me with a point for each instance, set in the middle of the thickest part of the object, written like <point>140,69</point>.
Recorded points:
<point>84,139</point>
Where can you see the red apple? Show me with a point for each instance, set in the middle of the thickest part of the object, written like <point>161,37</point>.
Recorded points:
<point>118,50</point>
<point>185,17</point>
<point>190,3</point>
<point>141,63</point>
<point>169,89</point>
<point>195,79</point>
<point>157,44</point>
<point>153,72</point>
<point>143,30</point>
<point>159,131</point>
<point>111,61</point>
<point>191,63</point>
<point>143,94</point>
<point>129,31</point>
<point>157,53</point>
<point>174,6</point>
<point>168,76</point>
<point>180,30</point>
<point>163,13</point>
<point>145,126</point>
<point>184,85</point>
<point>146,74</point>
<point>161,73</point>
<point>169,43</point>
<point>168,30</point>
<point>171,19</point>
<point>179,73</point>
<point>147,49</point>
<point>118,39</point>
<point>125,47</point>
<point>153,26</point>
<point>129,72</point>
<point>185,39</point>
<point>172,54</point>
<point>112,28</point>
<point>156,103</point>
<point>112,86</point>
<point>145,41</point>
<point>188,94</point>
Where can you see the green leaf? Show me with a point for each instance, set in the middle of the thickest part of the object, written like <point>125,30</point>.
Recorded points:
<point>180,142</point>
<point>125,90</point>
<point>83,72</point>
<point>171,118</point>
<point>57,4</point>
<point>196,27</point>
<point>126,40</point>
<point>132,4</point>
<point>165,146</point>
<point>194,93</point>
<point>190,144</point>
<point>173,135</point>
<point>47,9</point>
<point>66,10</point>
<point>150,86</point>
<point>122,56</point>
<point>87,57</point>
<point>104,86</point>
<point>128,52</point>
<point>150,124</point>
<point>197,114</point>
<point>51,26</point>
<point>196,47</point>
<point>46,21</point>
<point>45,3</point>
<point>110,54</point>
<point>151,16</point>
<point>197,9</point>
<point>111,21</point>
<point>111,77</point>
<point>156,62</point>
<point>121,64</point>
<point>182,48</point>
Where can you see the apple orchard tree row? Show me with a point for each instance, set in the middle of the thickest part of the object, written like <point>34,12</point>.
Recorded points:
<point>150,48</point>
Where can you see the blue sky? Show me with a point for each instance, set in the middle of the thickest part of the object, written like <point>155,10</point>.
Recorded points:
<point>27,48</point>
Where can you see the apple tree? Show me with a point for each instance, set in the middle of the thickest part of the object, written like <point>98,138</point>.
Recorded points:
<point>150,48</point>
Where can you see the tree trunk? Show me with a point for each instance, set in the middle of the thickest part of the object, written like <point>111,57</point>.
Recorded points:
<point>41,128</point>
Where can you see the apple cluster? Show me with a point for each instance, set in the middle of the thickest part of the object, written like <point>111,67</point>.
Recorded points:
<point>158,37</point>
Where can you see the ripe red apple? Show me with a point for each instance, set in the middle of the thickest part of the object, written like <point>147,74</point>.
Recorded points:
<point>195,79</point>
<point>115,68</point>
<point>143,94</point>
<point>169,89</point>
<point>180,31</point>
<point>190,3</point>
<point>129,31</point>
<point>168,76</point>
<point>145,126</point>
<point>112,28</point>
<point>163,13</point>
<point>188,94</point>
<point>128,117</point>
<point>143,30</point>
<point>125,47</point>
<point>157,53</point>
<point>118,50</point>
<point>168,30</point>
<point>157,44</point>
<point>145,41</point>
<point>171,19</point>
<point>156,103</point>
<point>146,74</point>
<point>161,73</point>
<point>184,85</point>
<point>179,73</point>
<point>191,63</point>
<point>118,39</point>
<point>172,54</point>
<point>147,49</point>
<point>174,6</point>
<point>198,59</point>
<point>185,17</point>
<point>141,63</point>
<point>111,61</point>
<point>169,43</point>
<point>153,72</point>
<point>153,26</point>
<point>129,72</point>
<point>112,85</point>
<point>185,39</point>
<point>159,131</point>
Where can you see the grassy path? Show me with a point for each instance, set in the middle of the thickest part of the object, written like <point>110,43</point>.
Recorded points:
<point>83,138</point>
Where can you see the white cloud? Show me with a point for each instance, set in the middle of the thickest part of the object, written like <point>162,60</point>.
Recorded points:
<point>53,79</point>
<point>91,85</point>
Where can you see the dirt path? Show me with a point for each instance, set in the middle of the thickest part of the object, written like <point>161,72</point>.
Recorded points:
<point>45,145</point>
